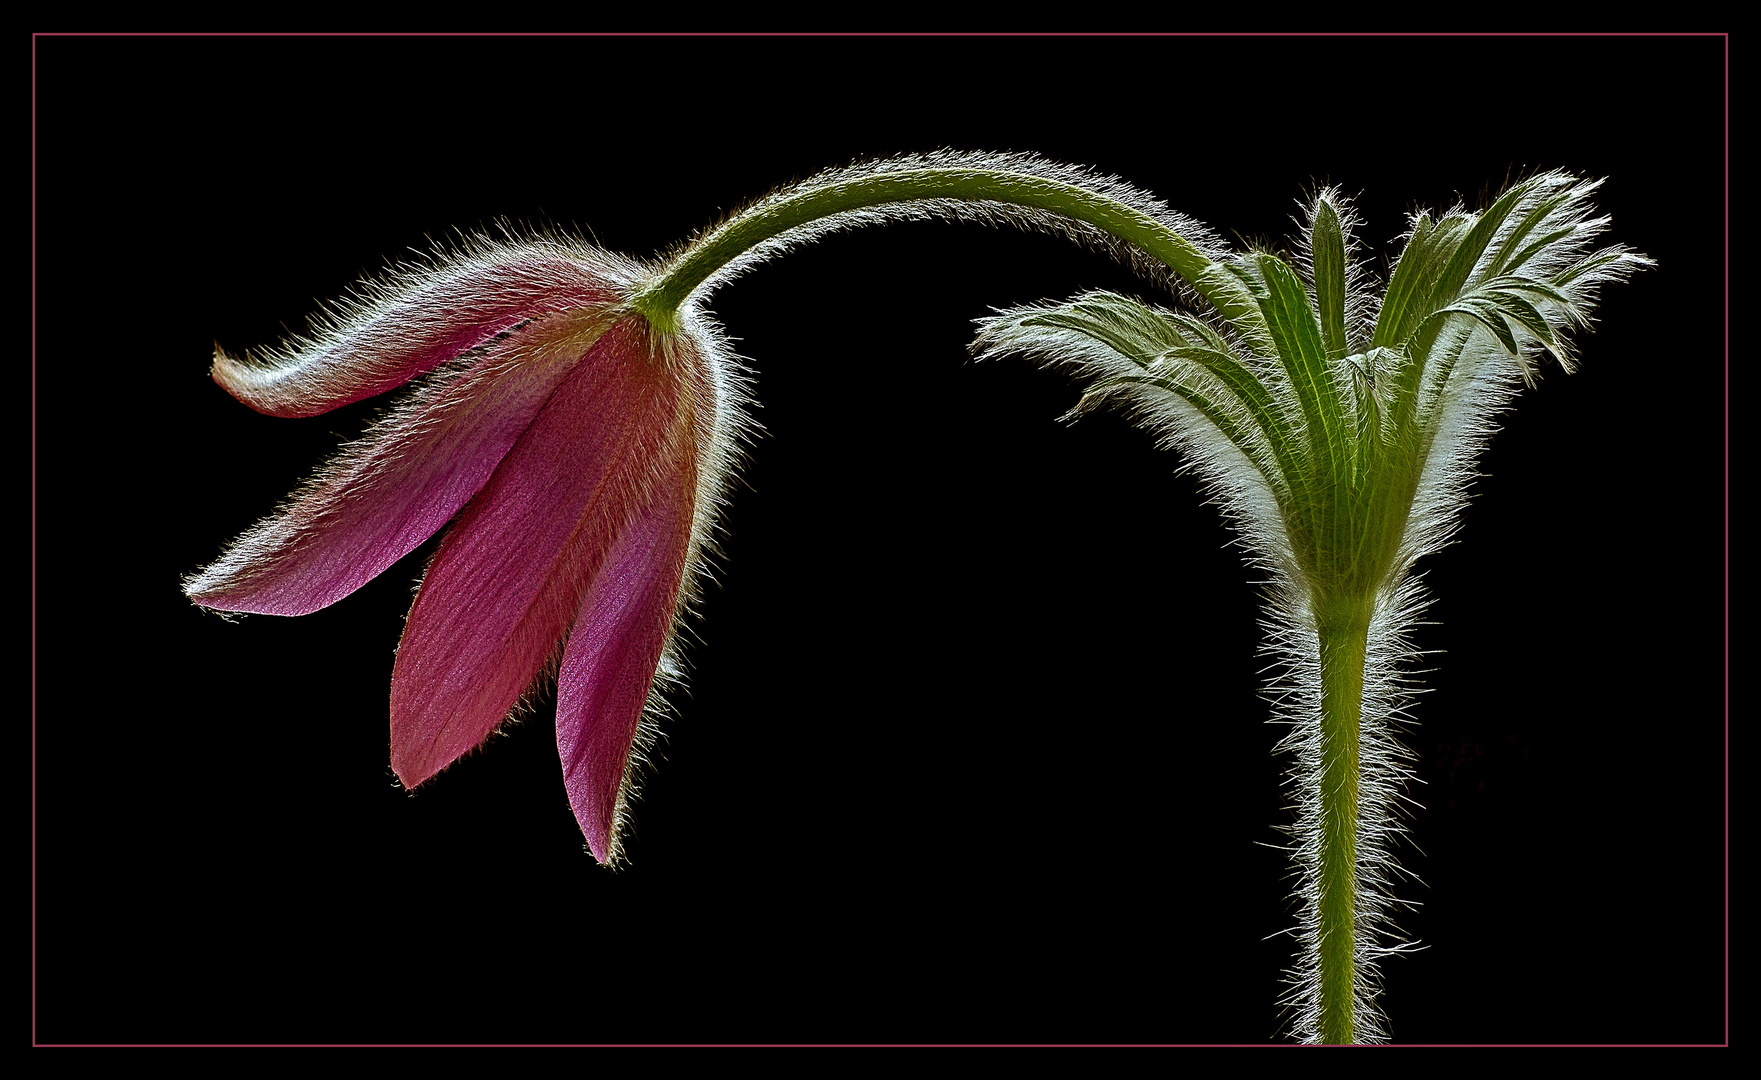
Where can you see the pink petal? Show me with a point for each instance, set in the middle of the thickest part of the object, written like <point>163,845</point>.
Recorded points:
<point>424,319</point>
<point>394,489</point>
<point>613,651</point>
<point>512,573</point>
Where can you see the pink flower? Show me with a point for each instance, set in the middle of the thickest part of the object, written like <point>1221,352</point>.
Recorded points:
<point>583,454</point>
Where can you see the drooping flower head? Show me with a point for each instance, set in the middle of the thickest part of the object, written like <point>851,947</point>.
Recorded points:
<point>578,415</point>
<point>580,455</point>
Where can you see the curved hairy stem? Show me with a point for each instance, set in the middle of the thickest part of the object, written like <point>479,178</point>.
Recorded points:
<point>841,194</point>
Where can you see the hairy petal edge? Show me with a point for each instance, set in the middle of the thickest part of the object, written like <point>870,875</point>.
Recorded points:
<point>609,664</point>
<point>413,325</point>
<point>384,496</point>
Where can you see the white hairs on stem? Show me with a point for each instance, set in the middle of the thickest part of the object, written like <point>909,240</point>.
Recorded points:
<point>989,213</point>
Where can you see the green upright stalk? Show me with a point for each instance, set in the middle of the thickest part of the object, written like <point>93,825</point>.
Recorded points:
<point>1343,628</point>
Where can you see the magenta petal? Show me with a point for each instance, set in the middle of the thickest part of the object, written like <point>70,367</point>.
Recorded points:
<point>609,664</point>
<point>511,575</point>
<point>423,319</point>
<point>399,485</point>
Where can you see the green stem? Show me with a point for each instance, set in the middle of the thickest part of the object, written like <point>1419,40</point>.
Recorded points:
<point>1343,628</point>
<point>661,299</point>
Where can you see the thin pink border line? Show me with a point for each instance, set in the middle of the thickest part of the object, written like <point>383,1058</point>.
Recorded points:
<point>862,34</point>
<point>1085,34</point>
<point>1727,538</point>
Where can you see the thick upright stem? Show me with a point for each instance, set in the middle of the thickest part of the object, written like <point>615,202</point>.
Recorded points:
<point>1344,634</point>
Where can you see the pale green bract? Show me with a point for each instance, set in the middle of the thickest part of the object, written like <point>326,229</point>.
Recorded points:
<point>1338,429</point>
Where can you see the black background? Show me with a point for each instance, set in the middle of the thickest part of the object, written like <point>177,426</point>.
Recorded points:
<point>973,749</point>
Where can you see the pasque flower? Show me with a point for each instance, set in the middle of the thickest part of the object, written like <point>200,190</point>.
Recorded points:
<point>579,416</point>
<point>582,452</point>
<point>580,412</point>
